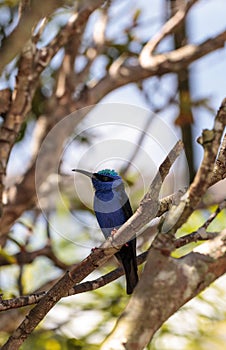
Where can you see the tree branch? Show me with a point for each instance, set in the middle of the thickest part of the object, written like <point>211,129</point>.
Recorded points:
<point>183,56</point>
<point>219,171</point>
<point>160,64</point>
<point>201,234</point>
<point>210,140</point>
<point>25,257</point>
<point>12,45</point>
<point>34,298</point>
<point>97,258</point>
<point>168,28</point>
<point>31,65</point>
<point>184,278</point>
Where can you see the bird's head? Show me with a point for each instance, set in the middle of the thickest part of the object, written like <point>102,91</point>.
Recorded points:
<point>104,179</point>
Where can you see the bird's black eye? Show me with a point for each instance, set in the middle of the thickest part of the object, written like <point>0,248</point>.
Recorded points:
<point>103,178</point>
<point>106,178</point>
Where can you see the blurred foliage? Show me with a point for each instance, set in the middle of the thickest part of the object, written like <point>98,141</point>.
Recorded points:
<point>50,340</point>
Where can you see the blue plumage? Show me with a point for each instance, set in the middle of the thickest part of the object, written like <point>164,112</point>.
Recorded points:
<point>112,209</point>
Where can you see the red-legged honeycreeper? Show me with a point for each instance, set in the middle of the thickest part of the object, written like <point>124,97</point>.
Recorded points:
<point>113,209</point>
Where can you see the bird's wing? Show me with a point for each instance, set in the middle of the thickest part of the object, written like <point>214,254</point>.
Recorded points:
<point>124,201</point>
<point>127,209</point>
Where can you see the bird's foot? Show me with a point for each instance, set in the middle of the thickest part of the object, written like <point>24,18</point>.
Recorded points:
<point>93,249</point>
<point>114,231</point>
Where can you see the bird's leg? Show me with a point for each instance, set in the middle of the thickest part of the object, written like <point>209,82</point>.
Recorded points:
<point>114,231</point>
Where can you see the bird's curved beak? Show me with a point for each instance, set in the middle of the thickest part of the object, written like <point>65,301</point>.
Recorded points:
<point>84,172</point>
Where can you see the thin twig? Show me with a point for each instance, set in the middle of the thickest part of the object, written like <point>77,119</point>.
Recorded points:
<point>34,298</point>
<point>26,257</point>
<point>200,235</point>
<point>168,28</point>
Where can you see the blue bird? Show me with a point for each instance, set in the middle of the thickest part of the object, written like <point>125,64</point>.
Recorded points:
<point>113,209</point>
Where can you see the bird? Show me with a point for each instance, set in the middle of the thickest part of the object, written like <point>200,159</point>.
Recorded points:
<point>112,209</point>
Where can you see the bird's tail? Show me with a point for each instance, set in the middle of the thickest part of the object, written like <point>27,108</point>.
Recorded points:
<point>127,256</point>
<point>131,276</point>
